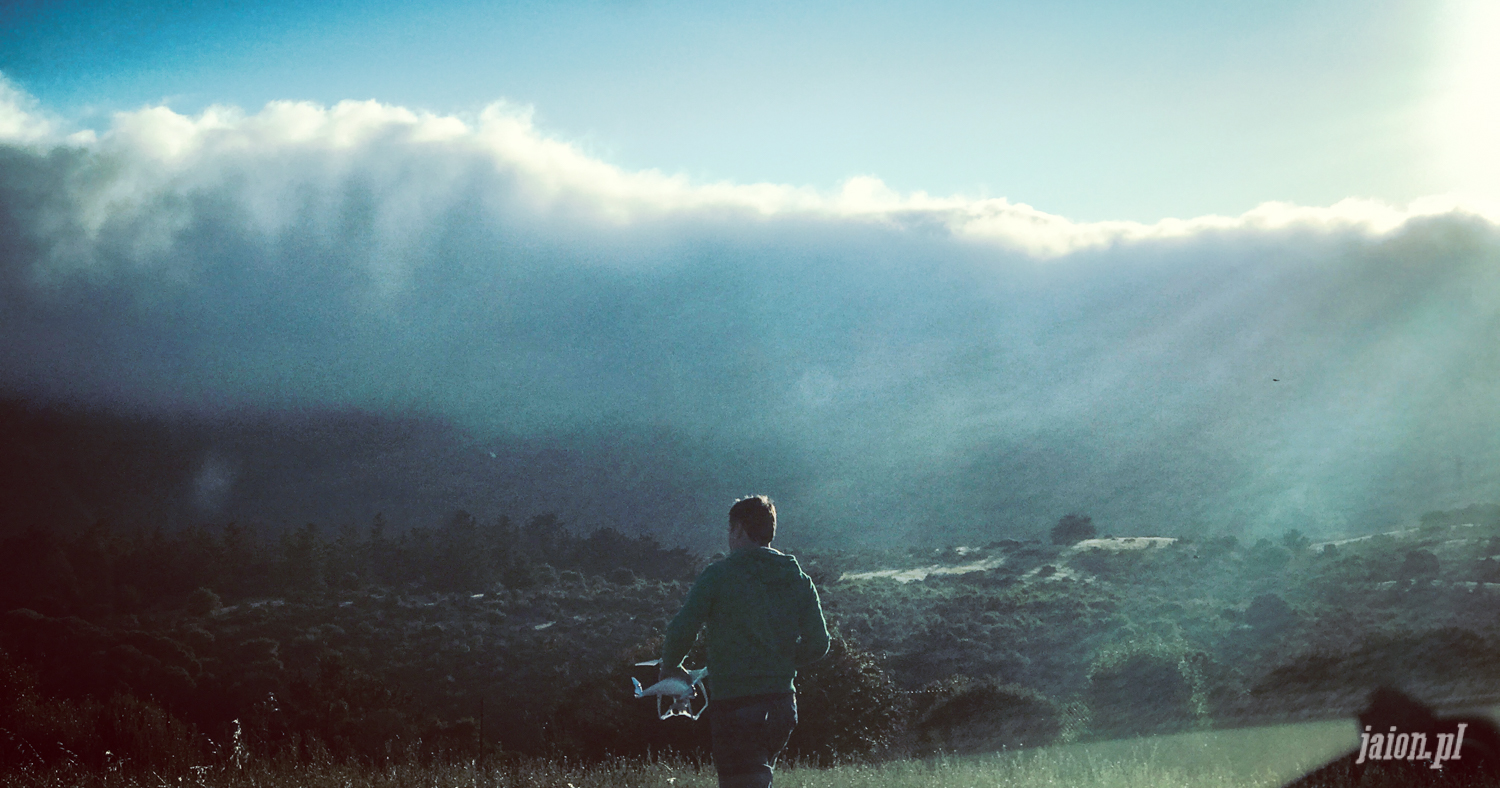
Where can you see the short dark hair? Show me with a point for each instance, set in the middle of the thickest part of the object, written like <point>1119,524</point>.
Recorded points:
<point>756,516</point>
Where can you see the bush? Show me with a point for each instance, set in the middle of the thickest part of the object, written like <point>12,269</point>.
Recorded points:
<point>1145,688</point>
<point>1295,540</point>
<point>203,602</point>
<point>1269,614</point>
<point>985,717</point>
<point>1073,528</point>
<point>848,708</point>
<point>1418,565</point>
<point>1433,658</point>
<point>42,732</point>
<point>1266,557</point>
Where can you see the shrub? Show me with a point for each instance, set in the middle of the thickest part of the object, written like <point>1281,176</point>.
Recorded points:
<point>985,716</point>
<point>1143,688</point>
<point>545,575</point>
<point>1432,657</point>
<point>42,732</point>
<point>1266,557</point>
<point>1418,565</point>
<point>1269,614</point>
<point>849,709</point>
<point>1073,528</point>
<point>203,602</point>
<point>1295,540</point>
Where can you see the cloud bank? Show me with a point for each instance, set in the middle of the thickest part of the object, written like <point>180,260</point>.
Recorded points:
<point>887,364</point>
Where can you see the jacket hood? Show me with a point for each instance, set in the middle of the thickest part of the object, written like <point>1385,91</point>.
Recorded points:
<point>766,564</point>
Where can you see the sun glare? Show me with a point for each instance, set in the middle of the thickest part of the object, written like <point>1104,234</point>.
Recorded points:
<point>1466,117</point>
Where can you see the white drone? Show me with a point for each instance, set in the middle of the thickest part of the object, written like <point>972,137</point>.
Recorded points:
<point>680,690</point>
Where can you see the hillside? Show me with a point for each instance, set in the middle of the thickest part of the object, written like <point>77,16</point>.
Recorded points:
<point>1015,643</point>
<point>64,467</point>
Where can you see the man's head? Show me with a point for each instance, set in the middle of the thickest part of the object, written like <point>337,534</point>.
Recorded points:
<point>755,516</point>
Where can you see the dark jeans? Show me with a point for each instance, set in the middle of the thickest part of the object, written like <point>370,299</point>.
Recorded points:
<point>748,734</point>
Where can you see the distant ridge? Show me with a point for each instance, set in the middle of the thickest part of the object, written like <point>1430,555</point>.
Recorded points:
<point>65,467</point>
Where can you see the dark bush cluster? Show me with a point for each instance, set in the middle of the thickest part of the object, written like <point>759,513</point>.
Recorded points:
<point>1144,688</point>
<point>983,716</point>
<point>850,708</point>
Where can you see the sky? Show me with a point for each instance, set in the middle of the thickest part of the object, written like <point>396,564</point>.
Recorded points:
<point>955,272</point>
<point>1088,109</point>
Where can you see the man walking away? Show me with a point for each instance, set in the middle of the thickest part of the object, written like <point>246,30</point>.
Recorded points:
<point>764,621</point>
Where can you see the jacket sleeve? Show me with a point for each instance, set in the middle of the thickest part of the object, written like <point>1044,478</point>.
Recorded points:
<point>812,642</point>
<point>683,629</point>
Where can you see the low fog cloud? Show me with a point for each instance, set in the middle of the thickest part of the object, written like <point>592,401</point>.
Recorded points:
<point>892,364</point>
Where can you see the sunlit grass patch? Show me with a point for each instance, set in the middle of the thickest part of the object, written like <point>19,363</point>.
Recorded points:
<point>1265,756</point>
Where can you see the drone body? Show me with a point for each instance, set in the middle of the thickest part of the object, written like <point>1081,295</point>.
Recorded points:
<point>680,690</point>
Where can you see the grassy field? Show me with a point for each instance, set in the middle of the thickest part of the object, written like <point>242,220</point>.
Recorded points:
<point>1264,756</point>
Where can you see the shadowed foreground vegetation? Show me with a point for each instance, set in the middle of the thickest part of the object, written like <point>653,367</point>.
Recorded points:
<point>1267,756</point>
<point>138,655</point>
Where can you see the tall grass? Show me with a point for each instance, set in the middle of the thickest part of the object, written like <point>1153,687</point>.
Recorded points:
<point>1266,756</point>
<point>1248,757</point>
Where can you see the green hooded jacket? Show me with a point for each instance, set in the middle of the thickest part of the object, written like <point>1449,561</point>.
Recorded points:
<point>764,621</point>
